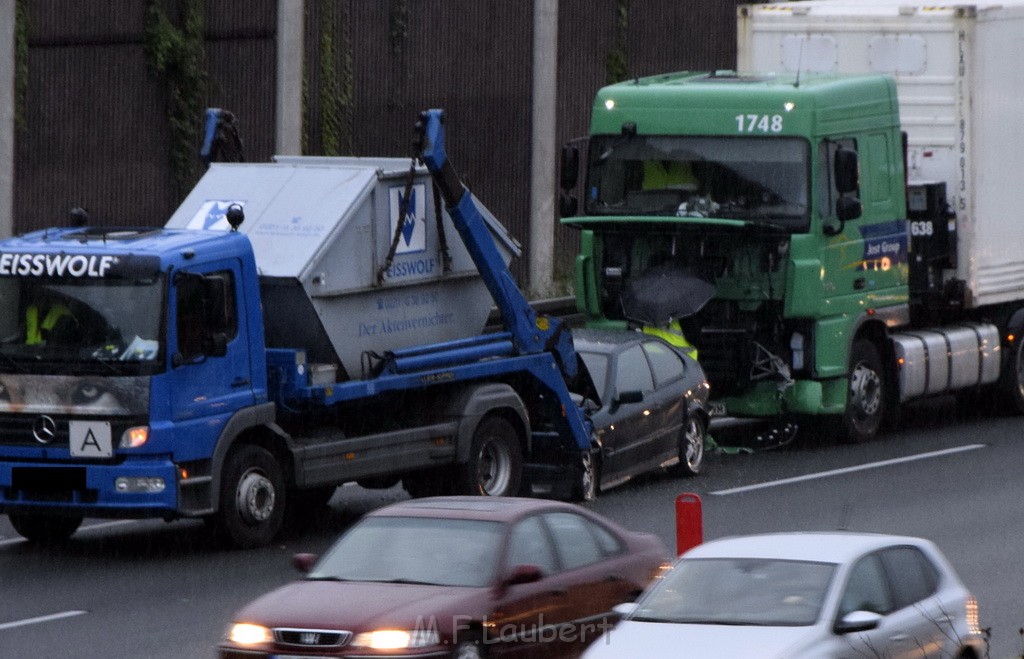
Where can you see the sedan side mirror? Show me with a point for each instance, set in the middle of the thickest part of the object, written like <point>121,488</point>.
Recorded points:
<point>304,562</point>
<point>630,397</point>
<point>857,621</point>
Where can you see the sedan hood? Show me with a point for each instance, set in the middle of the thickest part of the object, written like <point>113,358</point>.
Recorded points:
<point>656,639</point>
<point>358,606</point>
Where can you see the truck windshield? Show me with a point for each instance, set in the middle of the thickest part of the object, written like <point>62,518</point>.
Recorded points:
<point>100,322</point>
<point>745,178</point>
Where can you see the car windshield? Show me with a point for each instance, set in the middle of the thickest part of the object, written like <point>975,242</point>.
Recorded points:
<point>762,180</point>
<point>597,366</point>
<point>739,591</point>
<point>446,552</point>
<point>98,322</point>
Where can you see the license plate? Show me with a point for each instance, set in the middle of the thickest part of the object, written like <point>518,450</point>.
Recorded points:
<point>716,408</point>
<point>90,439</point>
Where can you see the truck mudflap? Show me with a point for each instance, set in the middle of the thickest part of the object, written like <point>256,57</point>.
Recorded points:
<point>135,489</point>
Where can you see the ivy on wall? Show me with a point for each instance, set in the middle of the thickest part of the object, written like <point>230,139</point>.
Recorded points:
<point>177,57</point>
<point>335,94</point>
<point>617,63</point>
<point>398,25</point>
<point>21,29</point>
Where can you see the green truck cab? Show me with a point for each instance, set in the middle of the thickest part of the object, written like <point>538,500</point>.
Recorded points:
<point>787,195</point>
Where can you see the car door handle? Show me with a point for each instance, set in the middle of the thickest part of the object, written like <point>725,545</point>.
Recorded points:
<point>557,591</point>
<point>240,382</point>
<point>900,637</point>
<point>613,578</point>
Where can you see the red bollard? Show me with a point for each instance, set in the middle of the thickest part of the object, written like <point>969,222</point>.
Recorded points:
<point>689,522</point>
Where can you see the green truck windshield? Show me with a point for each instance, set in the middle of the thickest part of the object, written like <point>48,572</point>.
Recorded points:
<point>752,179</point>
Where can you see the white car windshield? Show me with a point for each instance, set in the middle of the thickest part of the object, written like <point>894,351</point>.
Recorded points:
<point>739,591</point>
<point>447,552</point>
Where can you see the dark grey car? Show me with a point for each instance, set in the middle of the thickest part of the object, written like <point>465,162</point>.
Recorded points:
<point>652,405</point>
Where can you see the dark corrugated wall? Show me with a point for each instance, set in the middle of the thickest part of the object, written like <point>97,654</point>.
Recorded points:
<point>97,132</point>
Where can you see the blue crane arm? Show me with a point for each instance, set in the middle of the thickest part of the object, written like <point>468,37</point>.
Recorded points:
<point>531,332</point>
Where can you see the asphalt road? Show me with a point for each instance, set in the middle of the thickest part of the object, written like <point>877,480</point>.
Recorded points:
<point>155,590</point>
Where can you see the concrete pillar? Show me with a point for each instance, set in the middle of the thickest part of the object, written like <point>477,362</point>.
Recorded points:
<point>543,168</point>
<point>288,106</point>
<point>7,102</point>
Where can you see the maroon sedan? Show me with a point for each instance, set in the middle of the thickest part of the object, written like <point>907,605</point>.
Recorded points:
<point>454,577</point>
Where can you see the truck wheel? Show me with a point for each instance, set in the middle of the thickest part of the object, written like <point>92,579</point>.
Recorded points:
<point>691,447</point>
<point>44,529</point>
<point>865,402</point>
<point>1012,382</point>
<point>252,498</point>
<point>495,460</point>
<point>430,483</point>
<point>588,480</point>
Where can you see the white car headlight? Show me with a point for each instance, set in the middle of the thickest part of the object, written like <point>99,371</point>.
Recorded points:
<point>395,639</point>
<point>245,633</point>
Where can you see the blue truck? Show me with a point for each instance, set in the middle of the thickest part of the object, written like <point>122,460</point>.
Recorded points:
<point>295,326</point>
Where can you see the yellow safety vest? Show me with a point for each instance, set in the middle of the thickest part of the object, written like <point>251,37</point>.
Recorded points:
<point>673,335</point>
<point>34,329</point>
<point>667,174</point>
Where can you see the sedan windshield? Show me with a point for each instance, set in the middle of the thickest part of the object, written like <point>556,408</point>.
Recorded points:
<point>739,591</point>
<point>745,178</point>
<point>446,552</point>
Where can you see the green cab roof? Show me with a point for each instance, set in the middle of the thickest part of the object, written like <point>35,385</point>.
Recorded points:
<point>712,103</point>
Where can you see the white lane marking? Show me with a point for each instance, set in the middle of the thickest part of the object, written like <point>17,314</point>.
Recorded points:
<point>849,470</point>
<point>90,527</point>
<point>33,621</point>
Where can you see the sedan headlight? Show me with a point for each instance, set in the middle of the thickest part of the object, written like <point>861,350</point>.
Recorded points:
<point>245,633</point>
<point>396,639</point>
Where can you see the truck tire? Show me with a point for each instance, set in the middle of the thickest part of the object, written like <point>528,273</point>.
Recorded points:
<point>691,447</point>
<point>866,394</point>
<point>252,498</point>
<point>495,463</point>
<point>44,529</point>
<point>1012,381</point>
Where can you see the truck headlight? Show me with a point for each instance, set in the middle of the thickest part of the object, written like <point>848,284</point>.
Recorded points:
<point>245,633</point>
<point>134,437</point>
<point>395,639</point>
<point>796,347</point>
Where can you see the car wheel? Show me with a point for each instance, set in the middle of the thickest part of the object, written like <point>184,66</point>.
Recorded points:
<point>691,447</point>
<point>430,483</point>
<point>44,529</point>
<point>866,395</point>
<point>495,463</point>
<point>588,479</point>
<point>252,498</point>
<point>469,649</point>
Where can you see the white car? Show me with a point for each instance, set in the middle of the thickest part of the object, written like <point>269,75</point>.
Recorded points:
<point>802,595</point>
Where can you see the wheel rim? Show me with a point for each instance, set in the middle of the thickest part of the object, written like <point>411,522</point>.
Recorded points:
<point>494,468</point>
<point>588,483</point>
<point>468,651</point>
<point>694,449</point>
<point>255,496</point>
<point>865,392</point>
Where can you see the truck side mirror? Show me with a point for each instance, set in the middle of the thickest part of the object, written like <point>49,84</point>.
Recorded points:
<point>848,208</point>
<point>570,167</point>
<point>567,205</point>
<point>847,170</point>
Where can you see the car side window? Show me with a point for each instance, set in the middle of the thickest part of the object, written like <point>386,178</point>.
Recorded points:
<point>529,545</point>
<point>608,543</point>
<point>575,543</point>
<point>866,589</point>
<point>911,574</point>
<point>632,372</point>
<point>665,363</point>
